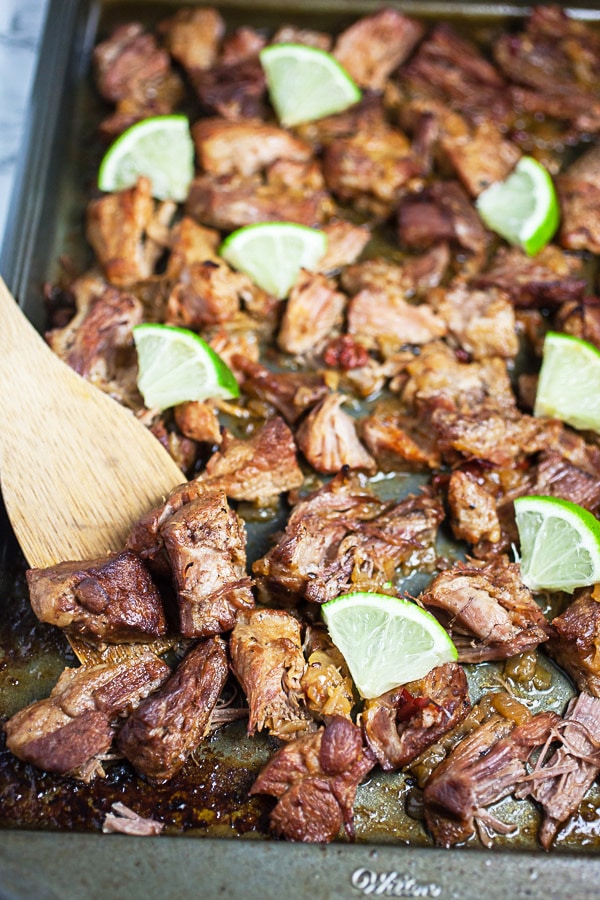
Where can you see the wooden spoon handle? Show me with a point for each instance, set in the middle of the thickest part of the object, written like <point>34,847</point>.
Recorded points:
<point>76,468</point>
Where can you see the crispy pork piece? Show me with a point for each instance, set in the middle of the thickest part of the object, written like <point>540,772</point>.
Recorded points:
<point>555,475</point>
<point>500,437</point>
<point>231,202</point>
<point>290,393</point>
<point>481,157</point>
<point>257,470</point>
<point>291,34</point>
<point>401,724</point>
<point>122,229</point>
<point>488,611</point>
<point>314,309</point>
<point>206,545</point>
<point>242,44</point>
<point>159,736</point>
<point>579,196</point>
<point>327,437</point>
<point>98,338</point>
<point>343,537</point>
<point>190,243</point>
<point>399,441</point>
<point>374,46</point>
<point>379,316</point>
<point>210,294</point>
<point>581,319</point>
<point>193,37</point>
<point>482,323</point>
<point>345,243</point>
<point>326,682</point>
<point>74,727</point>
<point>235,90</point>
<point>314,779</point>
<point>552,62</point>
<point>413,276</point>
<point>575,647</point>
<point>110,600</point>
<point>244,148</point>
<point>435,375</point>
<point>560,782</point>
<point>482,769</point>
<point>198,421</point>
<point>452,69</point>
<point>132,71</point>
<point>545,280</point>
<point>266,658</point>
<point>371,169</point>
<point>473,514</point>
<point>441,212</point>
<point>367,116</point>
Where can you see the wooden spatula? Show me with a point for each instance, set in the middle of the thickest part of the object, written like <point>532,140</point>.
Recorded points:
<point>76,468</point>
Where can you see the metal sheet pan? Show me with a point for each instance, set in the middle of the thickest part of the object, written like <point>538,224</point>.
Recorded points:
<point>45,221</point>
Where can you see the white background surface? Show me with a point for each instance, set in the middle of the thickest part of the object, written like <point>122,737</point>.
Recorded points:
<point>21,23</point>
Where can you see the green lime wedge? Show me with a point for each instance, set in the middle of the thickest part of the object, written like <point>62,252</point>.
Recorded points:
<point>161,148</point>
<point>385,641</point>
<point>175,365</point>
<point>272,253</point>
<point>306,83</point>
<point>560,544</point>
<point>569,382</point>
<point>524,208</point>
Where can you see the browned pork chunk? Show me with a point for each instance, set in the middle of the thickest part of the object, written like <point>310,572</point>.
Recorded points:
<point>560,782</point>
<point>577,641</point>
<point>374,46</point>
<point>380,317</point>
<point>343,537</point>
<point>482,769</point>
<point>198,421</point>
<point>245,148</point>
<point>98,340</point>
<point>371,169</point>
<point>480,157</point>
<point>328,439</point>
<point>442,212</point>
<point>400,442</point>
<point>580,318</point>
<point>128,233</point>
<point>206,545</point>
<point>414,276</point>
<point>74,727</point>
<point>258,469</point>
<point>326,682</point>
<point>482,323</point>
<point>132,71</point>
<point>193,37</point>
<point>547,279</point>
<point>552,62</point>
<point>345,243</point>
<point>488,611</point>
<point>473,514</point>
<point>313,310</point>
<point>159,736</point>
<point>290,393</point>
<point>314,779</point>
<point>267,660</point>
<point>210,293</point>
<point>579,195</point>
<point>110,600</point>
<point>400,725</point>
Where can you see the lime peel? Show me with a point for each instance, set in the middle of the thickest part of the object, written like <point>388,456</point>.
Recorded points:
<point>306,83</point>
<point>386,641</point>
<point>523,208</point>
<point>272,253</point>
<point>161,148</point>
<point>569,381</point>
<point>560,544</point>
<point>176,365</point>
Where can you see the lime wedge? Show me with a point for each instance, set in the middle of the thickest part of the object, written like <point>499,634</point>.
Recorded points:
<point>560,544</point>
<point>160,148</point>
<point>523,209</point>
<point>569,382</point>
<point>385,641</point>
<point>306,83</point>
<point>175,365</point>
<point>272,253</point>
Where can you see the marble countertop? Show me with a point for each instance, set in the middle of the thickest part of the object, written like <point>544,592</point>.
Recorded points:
<point>21,24</point>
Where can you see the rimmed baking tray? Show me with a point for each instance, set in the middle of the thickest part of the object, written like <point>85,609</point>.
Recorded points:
<point>45,221</point>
